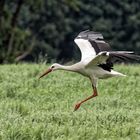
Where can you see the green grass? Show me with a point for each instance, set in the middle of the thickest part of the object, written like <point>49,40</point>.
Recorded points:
<point>32,109</point>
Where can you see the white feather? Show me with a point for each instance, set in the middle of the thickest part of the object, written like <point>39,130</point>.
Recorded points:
<point>86,49</point>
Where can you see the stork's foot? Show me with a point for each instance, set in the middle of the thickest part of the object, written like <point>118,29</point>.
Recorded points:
<point>77,106</point>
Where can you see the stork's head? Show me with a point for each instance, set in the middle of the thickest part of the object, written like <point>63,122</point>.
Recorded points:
<point>53,67</point>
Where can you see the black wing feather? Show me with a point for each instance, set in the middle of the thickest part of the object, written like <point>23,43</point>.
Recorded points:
<point>90,35</point>
<point>125,57</point>
<point>118,57</point>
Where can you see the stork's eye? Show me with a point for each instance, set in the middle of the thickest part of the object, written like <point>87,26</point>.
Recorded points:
<point>52,67</point>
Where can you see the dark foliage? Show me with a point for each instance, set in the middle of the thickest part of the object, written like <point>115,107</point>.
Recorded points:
<point>33,30</point>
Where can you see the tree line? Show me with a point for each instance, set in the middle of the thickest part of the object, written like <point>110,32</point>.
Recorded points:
<point>45,29</point>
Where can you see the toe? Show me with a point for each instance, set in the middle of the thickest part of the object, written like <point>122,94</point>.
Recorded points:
<point>77,106</point>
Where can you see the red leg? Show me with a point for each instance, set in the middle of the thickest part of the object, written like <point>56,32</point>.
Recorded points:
<point>77,106</point>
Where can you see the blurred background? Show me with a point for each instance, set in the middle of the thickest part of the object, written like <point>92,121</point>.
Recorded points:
<point>44,30</point>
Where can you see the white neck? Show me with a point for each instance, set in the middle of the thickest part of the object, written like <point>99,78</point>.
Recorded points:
<point>74,67</point>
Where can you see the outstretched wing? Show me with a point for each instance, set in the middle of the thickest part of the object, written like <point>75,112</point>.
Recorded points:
<point>90,44</point>
<point>106,59</point>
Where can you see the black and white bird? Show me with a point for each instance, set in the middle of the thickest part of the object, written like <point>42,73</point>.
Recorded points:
<point>97,60</point>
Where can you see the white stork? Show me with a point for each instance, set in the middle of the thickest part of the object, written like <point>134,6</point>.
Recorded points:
<point>97,60</point>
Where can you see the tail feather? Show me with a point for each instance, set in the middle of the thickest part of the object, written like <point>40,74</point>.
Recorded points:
<point>115,73</point>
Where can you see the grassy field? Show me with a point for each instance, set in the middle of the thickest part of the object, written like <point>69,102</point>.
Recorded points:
<point>32,109</point>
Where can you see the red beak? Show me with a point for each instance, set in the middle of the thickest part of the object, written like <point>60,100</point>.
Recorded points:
<point>45,73</point>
